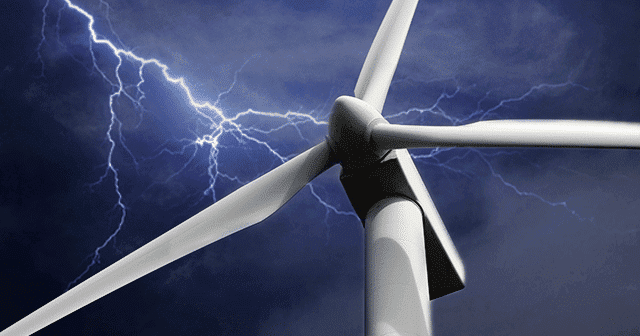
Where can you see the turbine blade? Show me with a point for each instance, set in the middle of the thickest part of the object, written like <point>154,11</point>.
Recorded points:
<point>382,59</point>
<point>246,206</point>
<point>511,133</point>
<point>445,270</point>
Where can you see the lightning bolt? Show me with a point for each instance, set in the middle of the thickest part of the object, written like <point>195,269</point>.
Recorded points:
<point>209,113</point>
<point>219,122</point>
<point>437,114</point>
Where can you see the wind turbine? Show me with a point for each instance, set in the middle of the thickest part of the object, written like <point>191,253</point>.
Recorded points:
<point>410,258</point>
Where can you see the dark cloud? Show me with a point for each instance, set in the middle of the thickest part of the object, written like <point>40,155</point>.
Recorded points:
<point>548,236</point>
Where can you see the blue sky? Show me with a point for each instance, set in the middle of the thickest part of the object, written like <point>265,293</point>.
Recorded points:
<point>548,236</point>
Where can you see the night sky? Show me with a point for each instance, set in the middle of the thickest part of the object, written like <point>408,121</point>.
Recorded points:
<point>548,237</point>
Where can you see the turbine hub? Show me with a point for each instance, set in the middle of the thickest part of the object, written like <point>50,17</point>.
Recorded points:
<point>350,127</point>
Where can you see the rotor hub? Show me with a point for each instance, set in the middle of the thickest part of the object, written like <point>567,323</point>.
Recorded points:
<point>350,126</point>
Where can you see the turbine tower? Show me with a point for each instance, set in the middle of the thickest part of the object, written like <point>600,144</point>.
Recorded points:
<point>409,258</point>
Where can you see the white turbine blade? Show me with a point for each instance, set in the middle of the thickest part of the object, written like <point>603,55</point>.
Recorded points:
<point>382,59</point>
<point>435,233</point>
<point>246,206</point>
<point>511,133</point>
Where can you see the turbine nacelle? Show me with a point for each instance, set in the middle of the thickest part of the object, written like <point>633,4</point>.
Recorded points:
<point>371,172</point>
<point>350,126</point>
